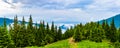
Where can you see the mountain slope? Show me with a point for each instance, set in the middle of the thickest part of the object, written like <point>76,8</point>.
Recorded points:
<point>116,20</point>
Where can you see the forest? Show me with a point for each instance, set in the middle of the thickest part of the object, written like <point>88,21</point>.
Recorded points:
<point>24,35</point>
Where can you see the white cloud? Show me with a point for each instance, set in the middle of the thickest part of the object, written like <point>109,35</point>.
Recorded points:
<point>95,11</point>
<point>103,9</point>
<point>10,1</point>
<point>6,8</point>
<point>104,5</point>
<point>65,2</point>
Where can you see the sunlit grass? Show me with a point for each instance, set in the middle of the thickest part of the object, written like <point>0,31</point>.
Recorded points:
<point>90,44</point>
<point>82,44</point>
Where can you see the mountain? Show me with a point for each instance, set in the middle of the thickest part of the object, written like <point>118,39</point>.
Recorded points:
<point>116,20</point>
<point>8,21</point>
<point>63,27</point>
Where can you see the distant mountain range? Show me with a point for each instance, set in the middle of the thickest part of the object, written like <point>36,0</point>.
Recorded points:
<point>116,20</point>
<point>65,26</point>
<point>8,21</point>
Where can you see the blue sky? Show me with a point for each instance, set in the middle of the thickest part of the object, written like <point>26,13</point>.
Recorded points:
<point>60,11</point>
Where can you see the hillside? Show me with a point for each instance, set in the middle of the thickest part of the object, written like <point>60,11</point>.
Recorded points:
<point>69,43</point>
<point>116,20</point>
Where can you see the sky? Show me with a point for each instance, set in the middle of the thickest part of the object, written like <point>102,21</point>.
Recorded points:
<point>60,11</point>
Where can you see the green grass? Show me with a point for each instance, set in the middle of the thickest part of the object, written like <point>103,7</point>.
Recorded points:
<point>59,44</point>
<point>90,44</point>
<point>82,44</point>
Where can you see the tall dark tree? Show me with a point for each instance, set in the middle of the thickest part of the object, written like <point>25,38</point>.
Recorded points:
<point>59,34</point>
<point>23,22</point>
<point>48,29</point>
<point>77,35</point>
<point>5,26</point>
<point>103,24</point>
<point>22,34</point>
<point>40,35</point>
<point>5,40</point>
<point>52,27</point>
<point>53,33</point>
<point>30,24</point>
<point>107,30</point>
<point>30,33</point>
<point>14,31</point>
<point>113,31</point>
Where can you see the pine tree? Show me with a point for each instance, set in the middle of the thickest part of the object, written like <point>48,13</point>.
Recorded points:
<point>30,32</point>
<point>48,29</point>
<point>66,34</point>
<point>53,31</point>
<point>59,34</point>
<point>22,34</point>
<point>40,37</point>
<point>52,27</point>
<point>103,24</point>
<point>35,28</point>
<point>23,22</point>
<point>5,40</point>
<point>107,30</point>
<point>14,31</point>
<point>113,31</point>
<point>5,26</point>
<point>55,34</point>
<point>30,23</point>
<point>77,35</point>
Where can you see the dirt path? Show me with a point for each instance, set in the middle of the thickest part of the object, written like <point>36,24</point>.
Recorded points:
<point>72,43</point>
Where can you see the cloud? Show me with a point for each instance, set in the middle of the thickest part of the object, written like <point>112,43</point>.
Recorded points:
<point>62,11</point>
<point>9,8</point>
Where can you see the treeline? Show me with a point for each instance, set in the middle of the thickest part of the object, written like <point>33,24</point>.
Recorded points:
<point>95,31</point>
<point>22,35</point>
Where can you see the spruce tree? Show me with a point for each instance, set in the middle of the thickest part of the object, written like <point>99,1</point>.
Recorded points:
<point>40,38</point>
<point>77,35</point>
<point>22,34</point>
<point>14,31</point>
<point>113,31</point>
<point>107,30</point>
<point>5,40</point>
<point>30,33</point>
<point>103,24</point>
<point>23,22</point>
<point>53,30</point>
<point>48,29</point>
<point>55,34</point>
<point>59,34</point>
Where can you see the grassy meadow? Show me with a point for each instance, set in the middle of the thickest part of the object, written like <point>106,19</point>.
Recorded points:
<point>83,44</point>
